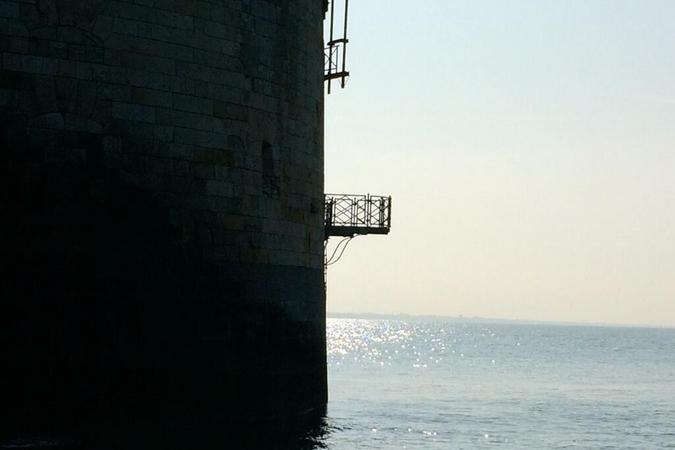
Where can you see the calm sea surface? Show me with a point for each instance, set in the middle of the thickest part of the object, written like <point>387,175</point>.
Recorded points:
<point>450,385</point>
<point>453,385</point>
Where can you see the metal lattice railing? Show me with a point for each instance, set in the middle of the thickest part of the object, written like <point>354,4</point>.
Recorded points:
<point>331,61</point>
<point>336,47</point>
<point>349,215</point>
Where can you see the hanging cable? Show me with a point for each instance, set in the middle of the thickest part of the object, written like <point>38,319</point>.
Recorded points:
<point>344,247</point>
<point>337,247</point>
<point>342,241</point>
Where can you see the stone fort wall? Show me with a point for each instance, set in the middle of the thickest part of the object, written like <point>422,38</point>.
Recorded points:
<point>161,178</point>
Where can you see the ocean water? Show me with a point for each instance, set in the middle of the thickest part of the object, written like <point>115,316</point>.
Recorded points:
<point>420,384</point>
<point>453,385</point>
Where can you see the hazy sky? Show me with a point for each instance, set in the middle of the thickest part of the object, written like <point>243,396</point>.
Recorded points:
<point>529,147</point>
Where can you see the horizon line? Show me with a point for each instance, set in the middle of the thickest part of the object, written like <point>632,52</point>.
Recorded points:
<point>398,316</point>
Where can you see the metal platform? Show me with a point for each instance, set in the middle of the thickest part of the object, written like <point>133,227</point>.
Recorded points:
<point>351,215</point>
<point>336,47</point>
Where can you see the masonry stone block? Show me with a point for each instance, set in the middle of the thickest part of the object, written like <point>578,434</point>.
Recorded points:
<point>162,165</point>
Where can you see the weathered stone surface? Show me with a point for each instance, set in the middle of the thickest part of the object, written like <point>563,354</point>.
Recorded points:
<point>161,192</point>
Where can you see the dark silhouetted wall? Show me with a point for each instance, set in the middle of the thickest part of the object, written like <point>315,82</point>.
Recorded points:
<point>161,187</point>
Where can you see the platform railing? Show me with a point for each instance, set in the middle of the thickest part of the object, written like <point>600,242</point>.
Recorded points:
<point>336,47</point>
<point>351,215</point>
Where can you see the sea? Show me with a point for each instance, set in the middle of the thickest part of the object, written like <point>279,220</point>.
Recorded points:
<point>448,384</point>
<point>458,384</point>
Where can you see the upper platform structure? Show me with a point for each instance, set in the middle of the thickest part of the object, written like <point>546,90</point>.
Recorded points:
<point>336,47</point>
<point>350,215</point>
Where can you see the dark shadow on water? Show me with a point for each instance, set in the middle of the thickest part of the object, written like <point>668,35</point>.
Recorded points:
<point>303,433</point>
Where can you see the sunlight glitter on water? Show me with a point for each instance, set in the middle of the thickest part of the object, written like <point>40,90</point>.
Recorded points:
<point>418,345</point>
<point>447,384</point>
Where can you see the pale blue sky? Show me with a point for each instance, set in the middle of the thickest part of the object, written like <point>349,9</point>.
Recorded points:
<point>530,150</point>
